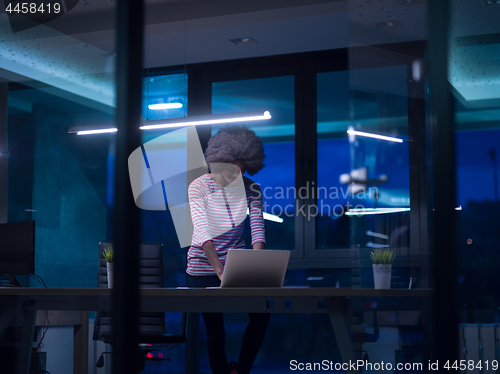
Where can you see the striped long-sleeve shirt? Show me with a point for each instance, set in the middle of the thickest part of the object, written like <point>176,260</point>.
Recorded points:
<point>218,214</point>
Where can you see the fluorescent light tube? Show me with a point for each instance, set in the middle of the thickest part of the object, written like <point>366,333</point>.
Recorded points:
<point>165,106</point>
<point>90,130</point>
<point>376,136</point>
<point>273,218</point>
<point>375,245</point>
<point>270,217</point>
<point>97,131</point>
<point>370,211</point>
<point>212,119</point>
<point>180,122</point>
<point>377,235</point>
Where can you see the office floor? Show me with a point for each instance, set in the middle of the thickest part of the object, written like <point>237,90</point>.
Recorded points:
<point>283,345</point>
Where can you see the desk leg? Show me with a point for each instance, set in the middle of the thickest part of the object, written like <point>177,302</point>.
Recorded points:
<point>25,351</point>
<point>81,346</point>
<point>336,312</point>
<point>192,354</point>
<point>8,314</point>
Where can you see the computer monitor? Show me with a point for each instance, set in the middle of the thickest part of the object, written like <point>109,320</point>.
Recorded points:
<point>17,249</point>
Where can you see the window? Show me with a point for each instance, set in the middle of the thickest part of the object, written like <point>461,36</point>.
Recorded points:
<point>277,178</point>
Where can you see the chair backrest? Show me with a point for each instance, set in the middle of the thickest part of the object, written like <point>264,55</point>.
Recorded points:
<point>150,265</point>
<point>150,276</point>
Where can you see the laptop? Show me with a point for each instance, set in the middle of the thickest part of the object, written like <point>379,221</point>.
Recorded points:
<point>255,268</point>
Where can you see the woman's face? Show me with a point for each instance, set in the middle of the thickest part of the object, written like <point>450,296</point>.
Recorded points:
<point>231,172</point>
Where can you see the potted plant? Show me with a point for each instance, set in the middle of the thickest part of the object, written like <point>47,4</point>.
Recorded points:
<point>108,254</point>
<point>382,264</point>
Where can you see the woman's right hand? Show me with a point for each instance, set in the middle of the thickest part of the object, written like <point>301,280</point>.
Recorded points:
<point>213,258</point>
<point>219,274</point>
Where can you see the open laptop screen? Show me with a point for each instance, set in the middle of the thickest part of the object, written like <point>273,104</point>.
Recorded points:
<point>255,268</point>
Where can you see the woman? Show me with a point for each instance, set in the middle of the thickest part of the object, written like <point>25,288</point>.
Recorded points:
<point>218,203</point>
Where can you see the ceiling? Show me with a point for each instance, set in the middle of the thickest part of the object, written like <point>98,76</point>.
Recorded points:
<point>73,55</point>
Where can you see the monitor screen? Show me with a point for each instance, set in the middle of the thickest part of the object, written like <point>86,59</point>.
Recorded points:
<point>17,248</point>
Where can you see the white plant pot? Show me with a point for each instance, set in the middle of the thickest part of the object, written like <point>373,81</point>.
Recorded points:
<point>382,276</point>
<point>110,267</point>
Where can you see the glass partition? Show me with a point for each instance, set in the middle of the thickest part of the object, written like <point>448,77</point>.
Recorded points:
<point>60,75</point>
<point>474,85</point>
<point>57,76</point>
<point>384,109</point>
<point>345,84</point>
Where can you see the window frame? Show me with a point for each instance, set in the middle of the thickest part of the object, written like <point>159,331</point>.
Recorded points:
<point>305,67</point>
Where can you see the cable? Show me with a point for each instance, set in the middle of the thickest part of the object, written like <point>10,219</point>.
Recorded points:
<point>40,345</point>
<point>38,278</point>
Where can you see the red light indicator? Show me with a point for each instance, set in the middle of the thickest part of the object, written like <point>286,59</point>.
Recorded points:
<point>149,355</point>
<point>149,345</point>
<point>469,241</point>
<point>160,354</point>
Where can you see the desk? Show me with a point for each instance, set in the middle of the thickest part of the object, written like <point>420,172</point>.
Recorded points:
<point>333,301</point>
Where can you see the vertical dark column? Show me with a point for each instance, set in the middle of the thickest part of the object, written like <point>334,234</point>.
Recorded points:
<point>306,169</point>
<point>419,245</point>
<point>443,227</point>
<point>4,183</point>
<point>199,103</point>
<point>125,299</point>
<point>418,178</point>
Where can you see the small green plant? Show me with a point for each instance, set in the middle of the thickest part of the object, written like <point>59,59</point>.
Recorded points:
<point>382,256</point>
<point>108,254</point>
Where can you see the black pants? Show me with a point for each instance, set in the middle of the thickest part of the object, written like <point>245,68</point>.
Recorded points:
<point>216,334</point>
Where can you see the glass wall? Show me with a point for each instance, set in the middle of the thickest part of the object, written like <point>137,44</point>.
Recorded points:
<point>286,59</point>
<point>59,77</point>
<point>332,123</point>
<point>349,98</point>
<point>475,88</point>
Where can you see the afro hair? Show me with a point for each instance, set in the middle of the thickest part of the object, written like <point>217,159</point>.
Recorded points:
<point>236,143</point>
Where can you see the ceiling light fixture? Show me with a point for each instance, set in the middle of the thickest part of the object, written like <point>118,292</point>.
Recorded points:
<point>179,122</point>
<point>100,131</point>
<point>375,136</point>
<point>370,211</point>
<point>375,245</point>
<point>205,120</point>
<point>389,25</point>
<point>377,235</point>
<point>90,130</point>
<point>270,217</point>
<point>165,106</point>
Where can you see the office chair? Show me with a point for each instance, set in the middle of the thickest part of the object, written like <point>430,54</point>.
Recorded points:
<point>151,325</point>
